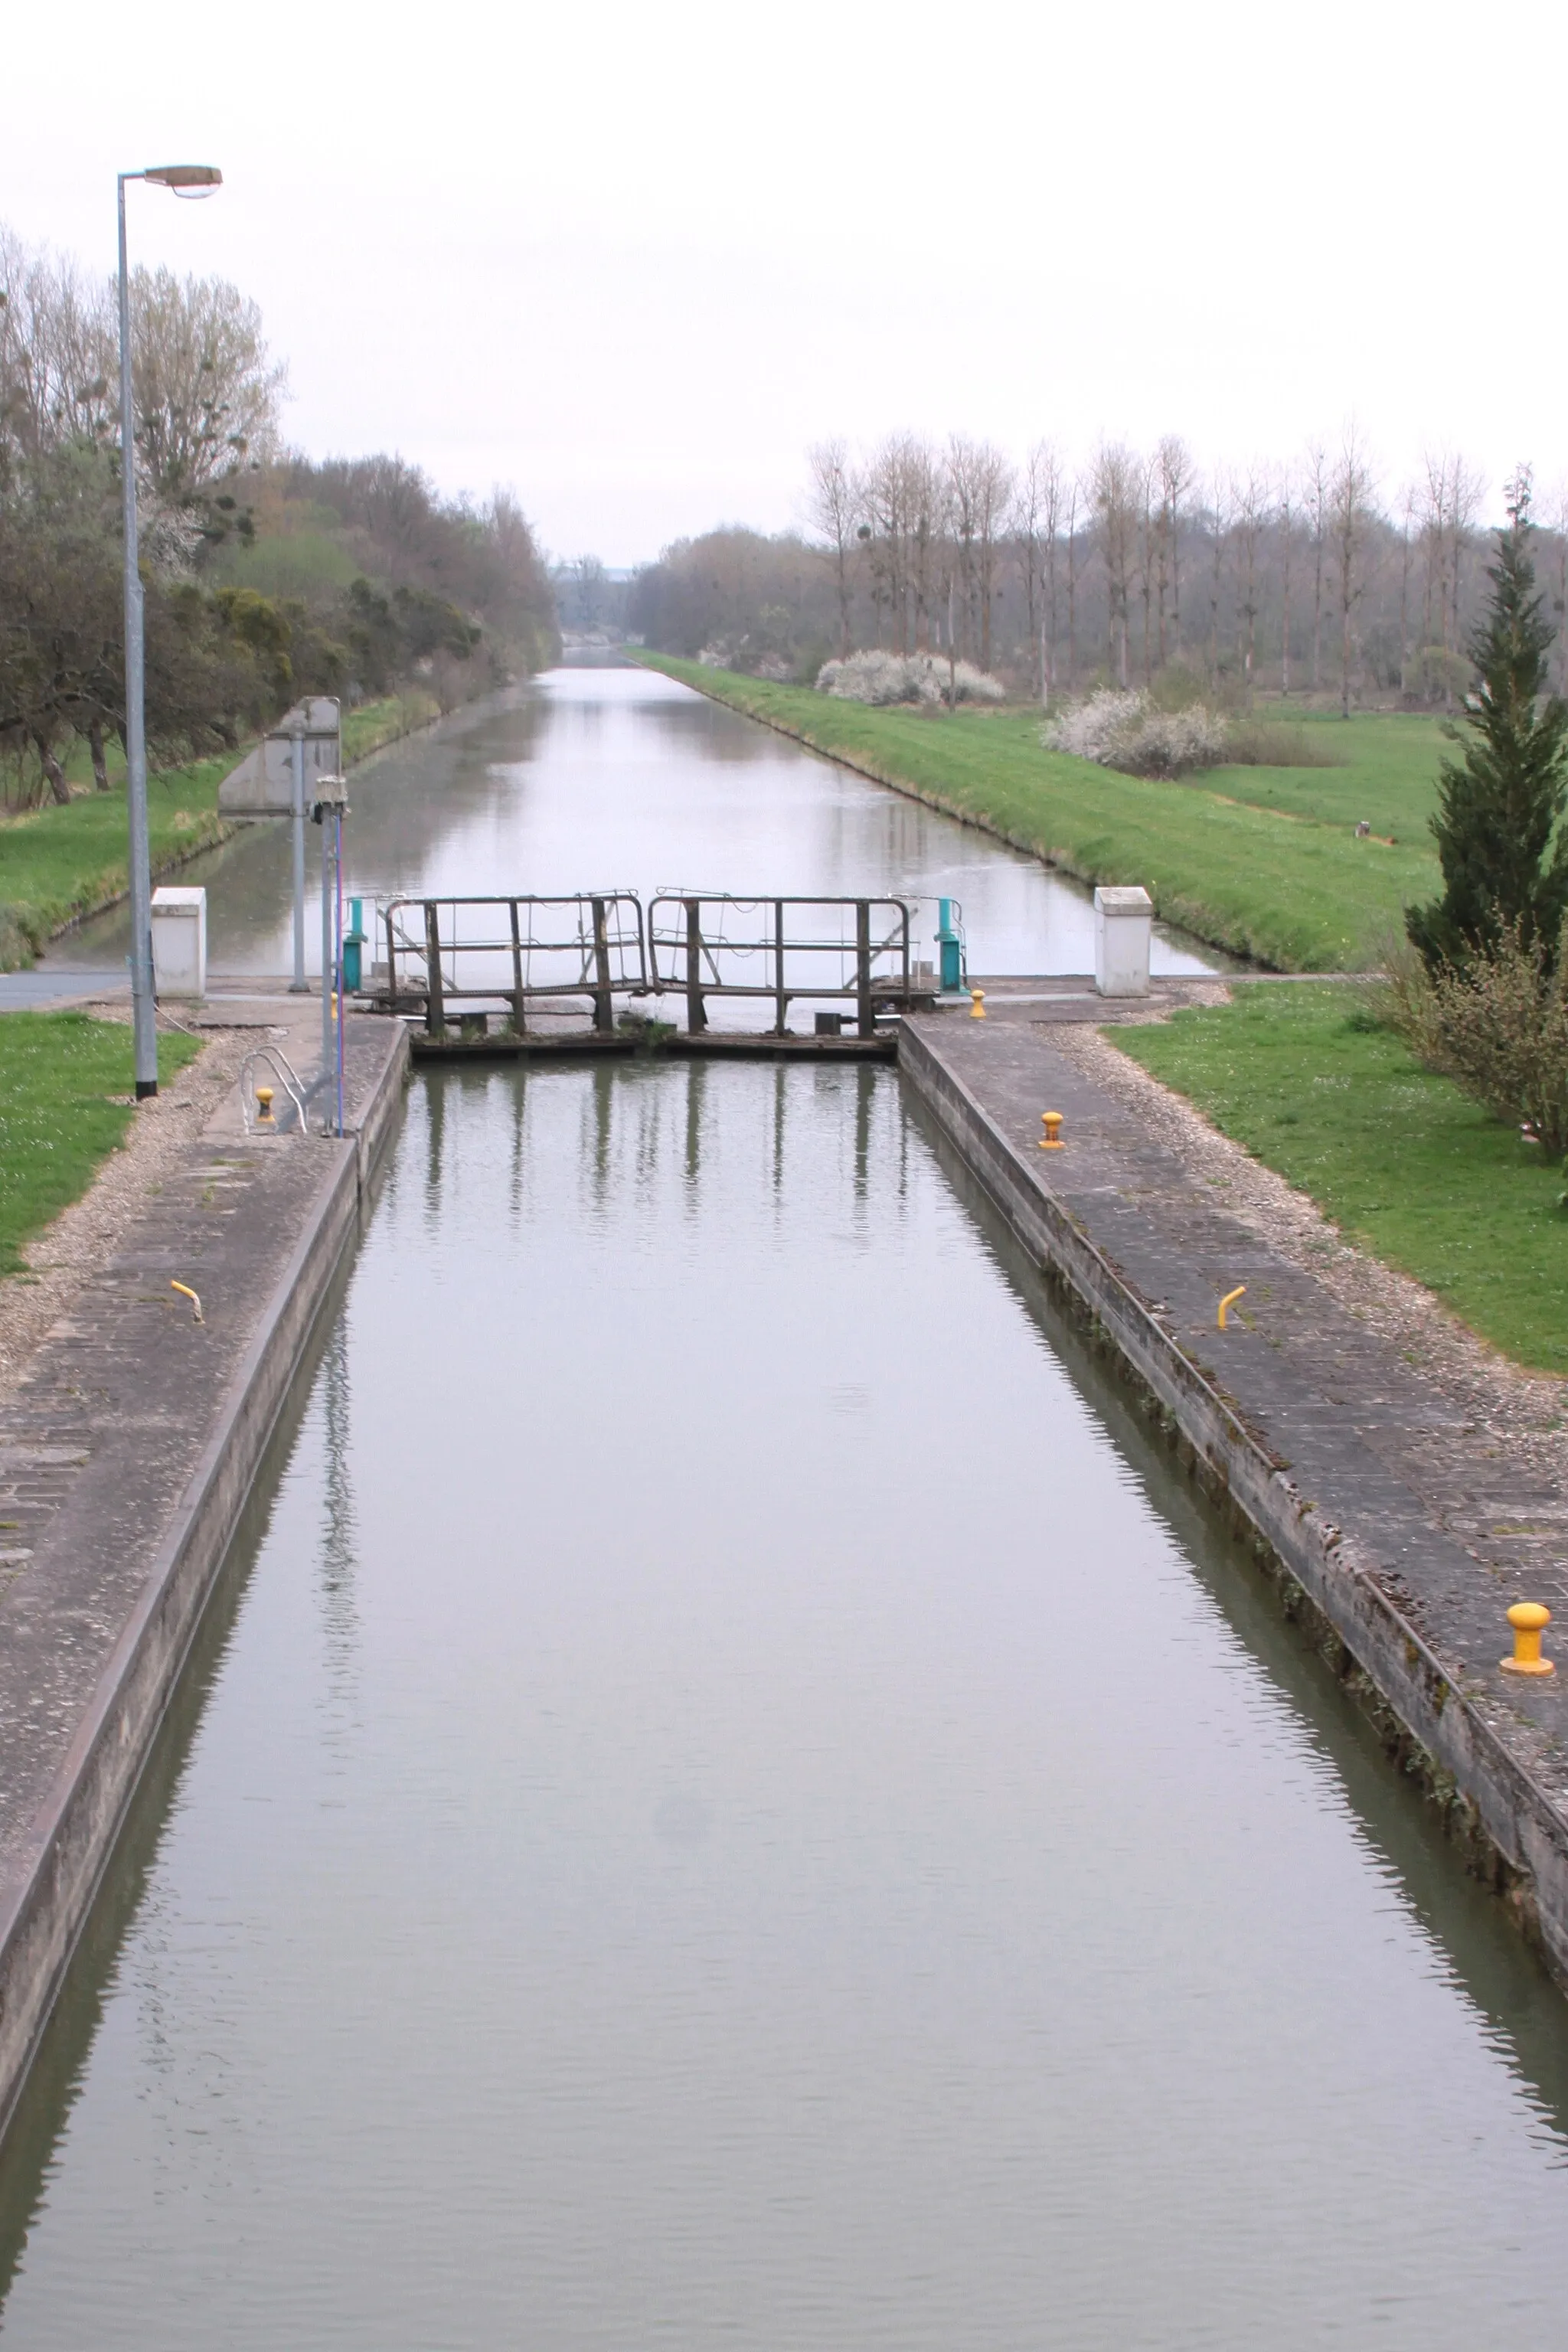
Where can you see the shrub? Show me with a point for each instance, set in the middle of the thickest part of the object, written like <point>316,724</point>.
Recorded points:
<point>1151,734</point>
<point>1434,674</point>
<point>1498,1025</point>
<point>880,679</point>
<point>1261,743</point>
<point>1096,728</point>
<point>18,943</point>
<point>1126,731</point>
<point>1176,687</point>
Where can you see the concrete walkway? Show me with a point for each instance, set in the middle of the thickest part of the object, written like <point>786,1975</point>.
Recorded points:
<point>1412,1529</point>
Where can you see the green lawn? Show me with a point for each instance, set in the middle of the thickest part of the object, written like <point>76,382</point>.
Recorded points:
<point>61,1076</point>
<point>1263,862</point>
<point>1388,777</point>
<point>1403,1163</point>
<point>59,863</point>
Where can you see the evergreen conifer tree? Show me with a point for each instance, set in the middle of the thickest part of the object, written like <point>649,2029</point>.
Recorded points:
<point>1498,803</point>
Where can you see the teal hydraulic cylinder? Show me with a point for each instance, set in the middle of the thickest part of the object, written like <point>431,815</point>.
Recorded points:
<point>950,942</point>
<point>353,942</point>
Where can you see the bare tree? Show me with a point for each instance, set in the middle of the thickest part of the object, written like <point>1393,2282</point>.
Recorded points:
<point>1317,497</point>
<point>994,492</point>
<point>1251,509</point>
<point>1446,501</point>
<point>926,502</point>
<point>207,393</point>
<point>1287,544</point>
<point>57,357</point>
<point>1176,480</point>
<point>1350,504</point>
<point>887,509</point>
<point>1057,493</point>
<point>833,510</point>
<point>1037,511</point>
<point>1219,533</point>
<point>1074,507</point>
<point>1407,505</point>
<point>587,576</point>
<point>1432,497</point>
<point>958,478</point>
<point>1148,532</point>
<point>979,484</point>
<point>1043,591</point>
<point>1115,491</point>
<point>1464,495</point>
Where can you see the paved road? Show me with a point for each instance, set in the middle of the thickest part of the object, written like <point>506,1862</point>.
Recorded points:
<point>35,991</point>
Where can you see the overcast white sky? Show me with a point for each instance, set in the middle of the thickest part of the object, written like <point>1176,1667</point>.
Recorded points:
<point>631,261</point>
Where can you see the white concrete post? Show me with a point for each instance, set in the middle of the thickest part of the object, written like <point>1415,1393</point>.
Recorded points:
<point>1123,925</point>
<point>180,942</point>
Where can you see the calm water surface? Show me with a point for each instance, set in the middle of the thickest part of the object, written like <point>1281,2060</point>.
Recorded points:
<point>732,1801</point>
<point>619,778</point>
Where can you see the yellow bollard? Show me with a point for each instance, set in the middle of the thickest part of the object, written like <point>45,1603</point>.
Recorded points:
<point>1052,1138</point>
<point>1229,1300</point>
<point>264,1107</point>
<point>186,1292</point>
<point>977,1004</point>
<point>1529,1621</point>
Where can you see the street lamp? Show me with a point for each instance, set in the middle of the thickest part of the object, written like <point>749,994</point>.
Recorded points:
<point>185,180</point>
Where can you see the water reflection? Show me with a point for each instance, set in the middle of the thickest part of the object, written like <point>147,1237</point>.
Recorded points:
<point>339,1553</point>
<point>593,778</point>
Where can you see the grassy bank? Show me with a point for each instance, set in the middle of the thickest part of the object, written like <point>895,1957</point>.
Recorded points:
<point>1397,1158</point>
<point>64,1089</point>
<point>1261,861</point>
<point>57,864</point>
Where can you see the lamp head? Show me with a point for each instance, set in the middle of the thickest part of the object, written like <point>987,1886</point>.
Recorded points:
<point>185,179</point>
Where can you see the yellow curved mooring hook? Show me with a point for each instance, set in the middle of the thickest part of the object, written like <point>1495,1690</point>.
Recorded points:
<point>1229,1300</point>
<point>186,1292</point>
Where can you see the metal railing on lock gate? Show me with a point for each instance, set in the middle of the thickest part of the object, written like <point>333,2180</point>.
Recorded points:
<point>462,959</point>
<point>852,951</point>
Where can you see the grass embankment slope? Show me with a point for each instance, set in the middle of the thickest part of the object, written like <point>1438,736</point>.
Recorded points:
<point>65,1089</point>
<point>57,864</point>
<point>1401,1162</point>
<point>1263,862</point>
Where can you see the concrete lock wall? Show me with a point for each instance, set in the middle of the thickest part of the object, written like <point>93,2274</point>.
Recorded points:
<point>263,783</point>
<point>1512,1809</point>
<point>47,1901</point>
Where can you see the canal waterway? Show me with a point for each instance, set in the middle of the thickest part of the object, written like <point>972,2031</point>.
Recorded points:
<point>611,777</point>
<point>732,1797</point>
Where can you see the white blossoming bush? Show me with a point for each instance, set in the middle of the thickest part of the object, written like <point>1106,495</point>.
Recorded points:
<point>1097,728</point>
<point>883,678</point>
<point>1126,731</point>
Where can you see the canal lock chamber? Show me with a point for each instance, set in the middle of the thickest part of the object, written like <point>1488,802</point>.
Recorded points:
<point>736,1793</point>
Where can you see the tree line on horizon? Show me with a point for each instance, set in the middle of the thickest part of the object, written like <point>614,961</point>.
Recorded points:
<point>266,574</point>
<point>1296,578</point>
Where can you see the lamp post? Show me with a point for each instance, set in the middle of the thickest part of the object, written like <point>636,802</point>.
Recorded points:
<point>187,180</point>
